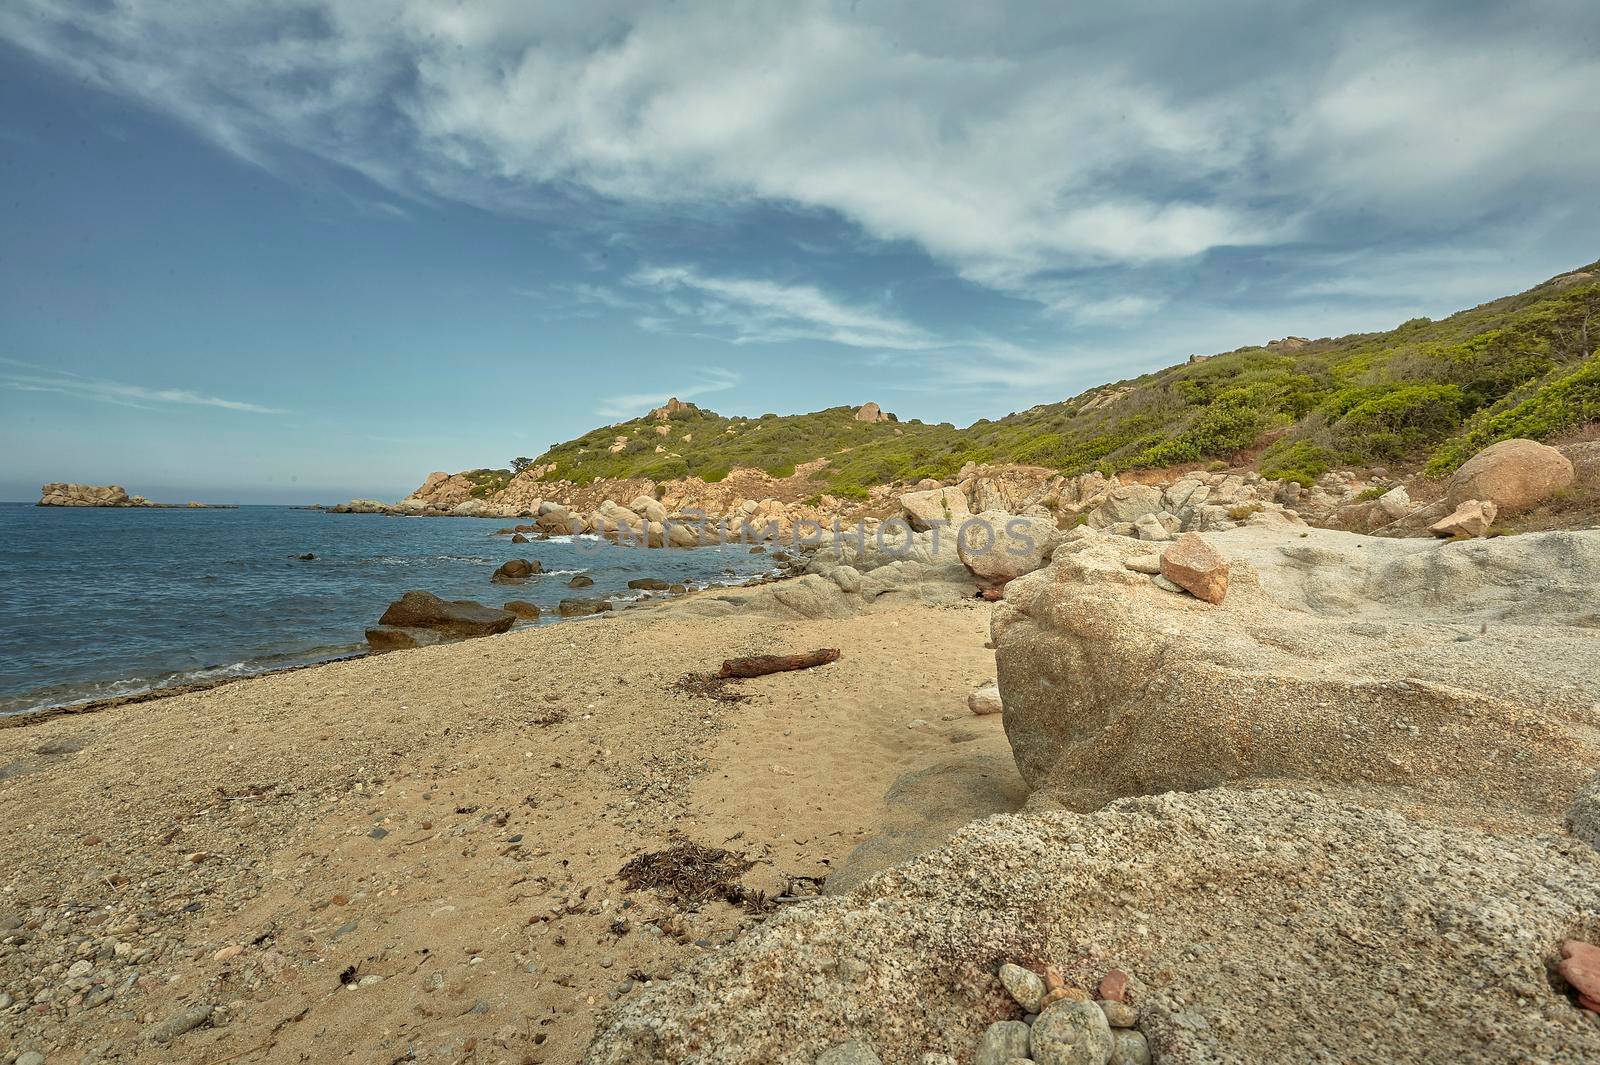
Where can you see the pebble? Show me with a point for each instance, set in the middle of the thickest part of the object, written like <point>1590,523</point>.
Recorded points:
<point>1119,1014</point>
<point>1072,1033</point>
<point>1024,985</point>
<point>1129,1047</point>
<point>1002,1041</point>
<point>179,1023</point>
<point>30,1057</point>
<point>228,953</point>
<point>855,1052</point>
<point>5,1000</point>
<point>1114,986</point>
<point>1063,994</point>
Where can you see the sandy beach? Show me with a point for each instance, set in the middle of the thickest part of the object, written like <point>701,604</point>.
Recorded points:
<point>443,829</point>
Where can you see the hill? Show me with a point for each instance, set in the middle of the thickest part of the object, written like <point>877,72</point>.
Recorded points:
<point>1425,391</point>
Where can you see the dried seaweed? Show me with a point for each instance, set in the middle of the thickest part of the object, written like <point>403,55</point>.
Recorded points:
<point>689,873</point>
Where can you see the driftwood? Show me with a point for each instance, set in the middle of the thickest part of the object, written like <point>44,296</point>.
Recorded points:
<point>761,665</point>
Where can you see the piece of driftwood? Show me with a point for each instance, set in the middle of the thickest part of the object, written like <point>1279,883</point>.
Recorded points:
<point>761,665</point>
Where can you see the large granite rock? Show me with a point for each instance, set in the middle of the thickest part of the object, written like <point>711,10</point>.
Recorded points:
<point>426,612</point>
<point>1264,926</point>
<point>1456,673</point>
<point>998,547</point>
<point>934,507</point>
<point>1513,475</point>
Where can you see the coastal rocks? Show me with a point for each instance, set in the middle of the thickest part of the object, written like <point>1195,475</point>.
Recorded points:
<point>523,609</point>
<point>435,618</point>
<point>64,494</point>
<point>934,507</point>
<point>1473,517</point>
<point>360,506</point>
<point>997,547</point>
<point>578,608</point>
<point>1195,566</point>
<point>985,700</point>
<point>517,569</point>
<point>1399,940</point>
<point>582,580</point>
<point>1371,665</point>
<point>440,491</point>
<point>1513,475</point>
<point>649,584</point>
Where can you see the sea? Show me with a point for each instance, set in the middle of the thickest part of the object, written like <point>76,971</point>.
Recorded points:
<point>97,603</point>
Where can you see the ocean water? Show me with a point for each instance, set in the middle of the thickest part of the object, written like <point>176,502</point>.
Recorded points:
<point>103,602</point>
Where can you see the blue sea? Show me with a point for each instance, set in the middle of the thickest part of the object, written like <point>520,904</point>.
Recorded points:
<point>96,603</point>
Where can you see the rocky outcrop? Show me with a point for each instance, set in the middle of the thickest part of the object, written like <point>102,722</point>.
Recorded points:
<point>417,618</point>
<point>1264,926</point>
<point>1513,475</point>
<point>871,412</point>
<point>1457,673</point>
<point>671,407</point>
<point>62,494</point>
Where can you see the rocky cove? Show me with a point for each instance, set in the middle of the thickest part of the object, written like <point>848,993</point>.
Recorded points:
<point>1194,794</point>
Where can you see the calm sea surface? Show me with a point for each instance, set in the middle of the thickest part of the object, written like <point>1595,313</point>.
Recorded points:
<point>103,602</point>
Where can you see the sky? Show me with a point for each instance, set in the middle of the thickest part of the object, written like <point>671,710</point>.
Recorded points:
<point>308,250</point>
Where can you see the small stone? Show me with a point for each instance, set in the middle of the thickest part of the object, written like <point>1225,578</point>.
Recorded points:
<point>1072,1033</point>
<point>179,1023</point>
<point>985,700</point>
<point>1119,1014</point>
<point>79,969</point>
<point>1129,1047</point>
<point>1002,1041</point>
<point>1025,986</point>
<point>228,953</point>
<point>855,1052</point>
<point>370,980</point>
<point>1114,986</point>
<point>30,1057</point>
<point>1063,994</point>
<point>1053,978</point>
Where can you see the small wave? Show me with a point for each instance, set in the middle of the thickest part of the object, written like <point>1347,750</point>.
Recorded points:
<point>428,560</point>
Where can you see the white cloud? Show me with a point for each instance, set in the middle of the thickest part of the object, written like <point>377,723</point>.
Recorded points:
<point>709,380</point>
<point>1004,141</point>
<point>116,392</point>
<point>750,310</point>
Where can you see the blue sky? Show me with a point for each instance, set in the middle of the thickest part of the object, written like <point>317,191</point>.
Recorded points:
<point>303,250</point>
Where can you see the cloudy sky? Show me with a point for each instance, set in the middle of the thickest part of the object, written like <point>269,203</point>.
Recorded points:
<point>300,250</point>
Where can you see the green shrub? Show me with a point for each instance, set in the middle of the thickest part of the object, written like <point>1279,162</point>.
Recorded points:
<point>1300,461</point>
<point>1563,403</point>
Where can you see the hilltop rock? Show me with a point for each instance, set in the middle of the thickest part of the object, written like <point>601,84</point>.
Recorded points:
<point>1360,663</point>
<point>65,494</point>
<point>1408,942</point>
<point>671,407</point>
<point>871,412</point>
<point>1513,475</point>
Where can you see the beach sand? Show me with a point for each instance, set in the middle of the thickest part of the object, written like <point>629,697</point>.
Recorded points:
<point>446,826</point>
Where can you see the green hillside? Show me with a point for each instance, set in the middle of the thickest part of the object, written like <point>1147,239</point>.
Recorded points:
<point>1524,365</point>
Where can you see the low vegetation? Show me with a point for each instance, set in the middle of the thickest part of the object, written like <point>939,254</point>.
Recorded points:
<point>1524,365</point>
